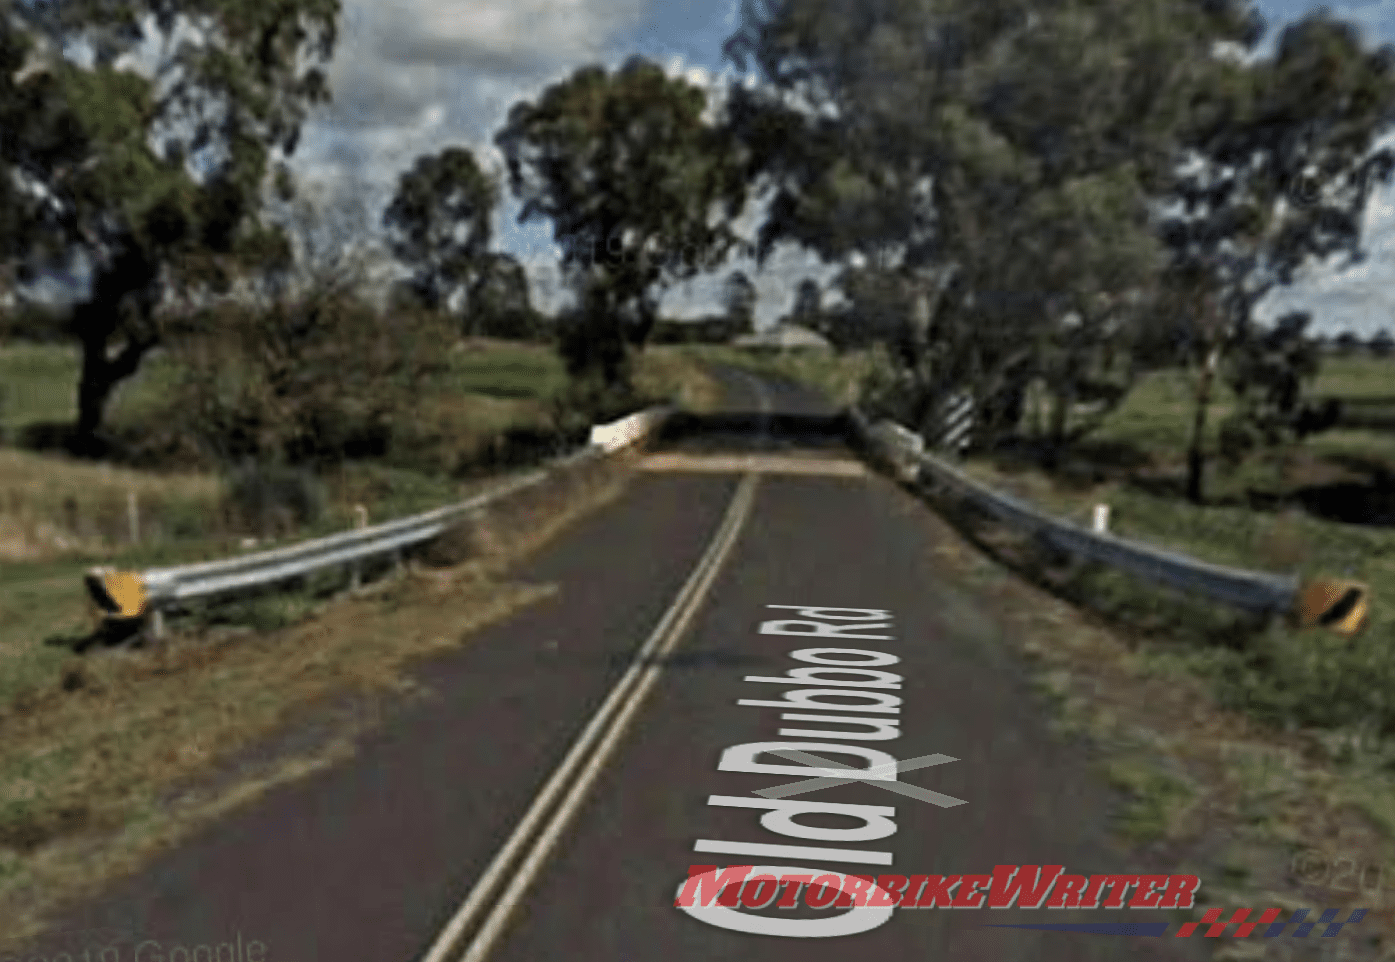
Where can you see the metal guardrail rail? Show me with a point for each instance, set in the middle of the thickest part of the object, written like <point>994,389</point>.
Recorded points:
<point>1256,591</point>
<point>162,588</point>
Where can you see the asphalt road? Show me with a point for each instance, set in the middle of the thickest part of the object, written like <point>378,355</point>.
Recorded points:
<point>374,859</point>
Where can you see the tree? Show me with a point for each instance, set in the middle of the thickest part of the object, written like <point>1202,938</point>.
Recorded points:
<point>739,296</point>
<point>807,302</point>
<point>631,176</point>
<point>991,161</point>
<point>227,96</point>
<point>1287,168</point>
<point>1347,342</point>
<point>1382,344</point>
<point>1267,376</point>
<point>499,303</point>
<point>439,223</point>
<point>308,380</point>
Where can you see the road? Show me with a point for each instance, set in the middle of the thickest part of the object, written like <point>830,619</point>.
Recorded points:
<point>432,842</point>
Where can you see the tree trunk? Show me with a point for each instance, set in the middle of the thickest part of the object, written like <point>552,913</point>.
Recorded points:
<point>1196,449</point>
<point>1038,400</point>
<point>1056,431</point>
<point>94,388</point>
<point>98,378</point>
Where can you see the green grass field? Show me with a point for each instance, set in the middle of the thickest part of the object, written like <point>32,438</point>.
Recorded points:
<point>39,380</point>
<point>1357,377</point>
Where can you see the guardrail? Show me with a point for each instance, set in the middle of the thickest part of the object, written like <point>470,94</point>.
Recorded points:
<point>138,594</point>
<point>627,430</point>
<point>1255,591</point>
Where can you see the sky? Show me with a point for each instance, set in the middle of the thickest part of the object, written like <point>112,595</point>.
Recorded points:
<point>411,77</point>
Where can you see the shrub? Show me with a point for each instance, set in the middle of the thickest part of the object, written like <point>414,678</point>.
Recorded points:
<point>311,381</point>
<point>588,400</point>
<point>272,499</point>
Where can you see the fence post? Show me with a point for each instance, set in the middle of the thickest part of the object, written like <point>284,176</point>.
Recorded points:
<point>133,515</point>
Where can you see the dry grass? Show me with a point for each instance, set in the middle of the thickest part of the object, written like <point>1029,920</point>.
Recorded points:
<point>113,759</point>
<point>53,505</point>
<point>448,432</point>
<point>663,371</point>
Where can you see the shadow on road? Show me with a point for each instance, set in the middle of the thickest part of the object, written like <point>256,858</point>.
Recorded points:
<point>753,431</point>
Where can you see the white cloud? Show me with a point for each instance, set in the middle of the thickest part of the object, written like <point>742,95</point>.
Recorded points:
<point>1360,298</point>
<point>411,76</point>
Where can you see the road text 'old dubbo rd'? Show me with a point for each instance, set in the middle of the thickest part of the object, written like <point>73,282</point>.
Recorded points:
<point>713,895</point>
<point>833,686</point>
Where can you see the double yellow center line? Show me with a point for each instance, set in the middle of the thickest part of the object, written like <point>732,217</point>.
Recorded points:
<point>487,910</point>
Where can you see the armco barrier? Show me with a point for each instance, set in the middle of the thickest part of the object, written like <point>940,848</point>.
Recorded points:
<point>627,430</point>
<point>1255,591</point>
<point>159,589</point>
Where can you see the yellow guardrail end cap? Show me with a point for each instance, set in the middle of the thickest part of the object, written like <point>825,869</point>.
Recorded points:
<point>120,594</point>
<point>1337,604</point>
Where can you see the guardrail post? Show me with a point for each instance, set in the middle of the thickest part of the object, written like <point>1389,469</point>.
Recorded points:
<point>157,624</point>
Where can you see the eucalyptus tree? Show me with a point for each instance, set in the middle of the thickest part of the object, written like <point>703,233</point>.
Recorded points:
<point>438,224</point>
<point>992,160</point>
<point>1285,157</point>
<point>150,160</point>
<point>641,189</point>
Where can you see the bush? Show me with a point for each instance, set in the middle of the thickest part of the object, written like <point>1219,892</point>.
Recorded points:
<point>588,400</point>
<point>1238,437</point>
<point>313,381</point>
<point>520,446</point>
<point>272,499</point>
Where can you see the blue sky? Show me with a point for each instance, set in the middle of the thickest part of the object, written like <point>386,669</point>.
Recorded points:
<point>414,76</point>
